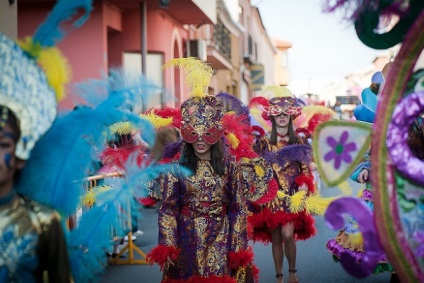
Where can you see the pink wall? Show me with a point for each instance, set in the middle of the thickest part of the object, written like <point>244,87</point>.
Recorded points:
<point>98,45</point>
<point>85,48</point>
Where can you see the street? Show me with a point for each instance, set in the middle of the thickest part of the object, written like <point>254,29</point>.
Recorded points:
<point>314,263</point>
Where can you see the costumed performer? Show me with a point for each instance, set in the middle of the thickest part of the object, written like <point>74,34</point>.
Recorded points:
<point>276,222</point>
<point>32,240</point>
<point>202,220</point>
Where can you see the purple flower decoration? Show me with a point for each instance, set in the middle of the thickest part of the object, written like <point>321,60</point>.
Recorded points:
<point>340,150</point>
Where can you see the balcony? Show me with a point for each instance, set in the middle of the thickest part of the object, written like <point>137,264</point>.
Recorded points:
<point>219,48</point>
<point>251,55</point>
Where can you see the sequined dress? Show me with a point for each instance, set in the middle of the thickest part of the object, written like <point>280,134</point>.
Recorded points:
<point>32,242</point>
<point>204,218</point>
<point>277,213</point>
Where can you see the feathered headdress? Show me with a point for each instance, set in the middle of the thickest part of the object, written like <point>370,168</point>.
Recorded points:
<point>283,101</point>
<point>201,113</point>
<point>30,91</point>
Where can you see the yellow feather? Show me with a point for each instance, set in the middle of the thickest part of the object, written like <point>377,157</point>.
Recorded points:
<point>277,91</point>
<point>317,205</point>
<point>122,128</point>
<point>296,203</point>
<point>198,74</point>
<point>281,195</point>
<point>53,63</point>
<point>157,121</point>
<point>234,141</point>
<point>360,193</point>
<point>90,198</point>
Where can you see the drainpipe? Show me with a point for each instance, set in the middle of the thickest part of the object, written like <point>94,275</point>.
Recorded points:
<point>143,37</point>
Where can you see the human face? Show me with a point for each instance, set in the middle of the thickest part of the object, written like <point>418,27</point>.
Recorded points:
<point>202,149</point>
<point>9,164</point>
<point>282,120</point>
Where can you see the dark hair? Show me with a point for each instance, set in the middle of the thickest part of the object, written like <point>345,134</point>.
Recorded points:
<point>290,130</point>
<point>374,87</point>
<point>164,137</point>
<point>189,158</point>
<point>12,121</point>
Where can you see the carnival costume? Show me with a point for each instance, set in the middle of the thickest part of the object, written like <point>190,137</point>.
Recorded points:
<point>32,77</point>
<point>202,221</point>
<point>290,163</point>
<point>397,176</point>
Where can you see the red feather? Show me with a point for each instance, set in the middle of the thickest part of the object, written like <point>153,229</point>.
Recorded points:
<point>160,253</point>
<point>317,119</point>
<point>240,258</point>
<point>259,100</point>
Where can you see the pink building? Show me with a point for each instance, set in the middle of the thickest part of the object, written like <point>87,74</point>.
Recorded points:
<point>137,35</point>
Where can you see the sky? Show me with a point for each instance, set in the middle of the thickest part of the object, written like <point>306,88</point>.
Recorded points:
<point>323,45</point>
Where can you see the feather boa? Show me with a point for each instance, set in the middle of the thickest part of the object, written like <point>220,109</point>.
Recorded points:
<point>240,258</point>
<point>160,254</point>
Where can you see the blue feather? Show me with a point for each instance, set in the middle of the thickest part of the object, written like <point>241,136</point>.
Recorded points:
<point>91,239</point>
<point>50,31</point>
<point>58,163</point>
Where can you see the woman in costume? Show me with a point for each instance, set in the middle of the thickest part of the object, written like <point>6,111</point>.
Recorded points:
<point>276,222</point>
<point>202,220</point>
<point>32,242</point>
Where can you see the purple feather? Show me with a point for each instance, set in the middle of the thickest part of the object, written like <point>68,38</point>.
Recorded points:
<point>290,153</point>
<point>170,150</point>
<point>233,103</point>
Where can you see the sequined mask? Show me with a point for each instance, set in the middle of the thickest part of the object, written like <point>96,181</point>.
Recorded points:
<point>201,118</point>
<point>287,105</point>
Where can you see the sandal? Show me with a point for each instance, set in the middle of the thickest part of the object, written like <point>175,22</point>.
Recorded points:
<point>293,271</point>
<point>279,275</point>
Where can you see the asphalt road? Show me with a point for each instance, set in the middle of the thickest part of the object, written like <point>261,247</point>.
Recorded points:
<point>314,263</point>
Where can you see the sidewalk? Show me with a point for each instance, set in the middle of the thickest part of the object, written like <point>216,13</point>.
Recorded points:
<point>142,273</point>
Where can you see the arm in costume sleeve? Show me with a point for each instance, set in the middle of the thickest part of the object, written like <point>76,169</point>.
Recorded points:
<point>240,255</point>
<point>58,267</point>
<point>154,193</point>
<point>365,164</point>
<point>256,180</point>
<point>305,176</point>
<point>167,220</point>
<point>53,251</point>
<point>260,145</point>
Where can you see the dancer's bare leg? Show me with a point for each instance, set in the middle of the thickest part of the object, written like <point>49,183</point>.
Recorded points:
<point>277,252</point>
<point>290,249</point>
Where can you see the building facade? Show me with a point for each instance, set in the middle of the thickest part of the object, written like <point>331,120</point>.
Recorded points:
<point>140,36</point>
